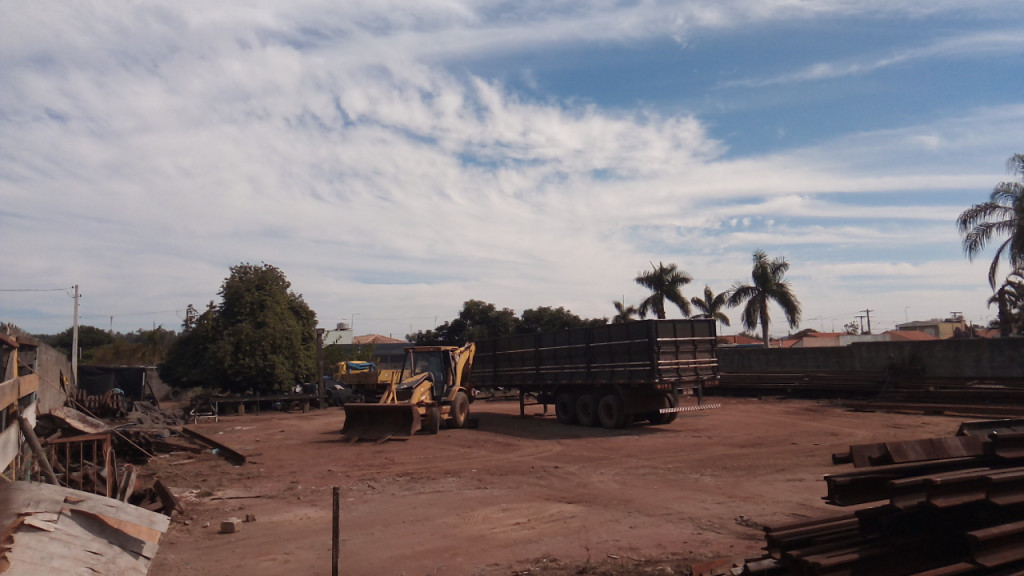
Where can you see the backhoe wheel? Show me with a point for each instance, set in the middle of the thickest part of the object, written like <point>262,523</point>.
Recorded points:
<point>460,410</point>
<point>610,411</point>
<point>432,421</point>
<point>565,409</point>
<point>586,410</point>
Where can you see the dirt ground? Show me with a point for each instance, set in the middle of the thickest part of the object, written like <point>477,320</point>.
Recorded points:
<point>514,496</point>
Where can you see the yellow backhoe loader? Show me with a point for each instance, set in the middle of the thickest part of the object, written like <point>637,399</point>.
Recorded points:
<point>434,388</point>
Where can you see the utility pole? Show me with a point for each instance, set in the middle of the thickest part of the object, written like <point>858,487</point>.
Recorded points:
<point>74,341</point>
<point>868,316</point>
<point>320,368</point>
<point>861,320</point>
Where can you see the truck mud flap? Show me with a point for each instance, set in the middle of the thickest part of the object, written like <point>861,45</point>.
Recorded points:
<point>380,421</point>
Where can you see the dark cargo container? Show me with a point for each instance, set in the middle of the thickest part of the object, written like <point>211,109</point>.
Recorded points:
<point>612,375</point>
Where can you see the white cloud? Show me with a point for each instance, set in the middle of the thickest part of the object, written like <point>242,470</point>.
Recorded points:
<point>149,148</point>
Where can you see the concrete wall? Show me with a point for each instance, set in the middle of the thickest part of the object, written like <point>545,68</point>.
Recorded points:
<point>49,364</point>
<point>981,358</point>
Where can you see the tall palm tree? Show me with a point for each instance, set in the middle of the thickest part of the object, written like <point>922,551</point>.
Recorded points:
<point>711,305</point>
<point>665,281</point>
<point>768,285</point>
<point>623,313</point>
<point>1002,215</point>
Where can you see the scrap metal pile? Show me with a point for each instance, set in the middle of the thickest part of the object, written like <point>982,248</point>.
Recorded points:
<point>948,506</point>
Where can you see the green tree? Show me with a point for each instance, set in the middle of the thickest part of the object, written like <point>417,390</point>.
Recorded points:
<point>768,285</point>
<point>1002,215</point>
<point>547,319</point>
<point>623,313</point>
<point>260,338</point>
<point>89,338</point>
<point>711,305</point>
<point>477,320</point>
<point>666,284</point>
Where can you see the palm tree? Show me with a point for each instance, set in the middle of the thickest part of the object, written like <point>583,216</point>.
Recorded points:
<point>1003,214</point>
<point>768,285</point>
<point>1009,298</point>
<point>623,313</point>
<point>665,283</point>
<point>711,305</point>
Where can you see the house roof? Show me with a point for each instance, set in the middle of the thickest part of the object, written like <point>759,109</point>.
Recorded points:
<point>909,335</point>
<point>986,332</point>
<point>738,339</point>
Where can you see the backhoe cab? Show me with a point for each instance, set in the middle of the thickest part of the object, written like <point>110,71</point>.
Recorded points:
<point>434,388</point>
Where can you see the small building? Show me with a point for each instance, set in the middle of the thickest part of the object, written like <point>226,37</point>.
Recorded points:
<point>941,329</point>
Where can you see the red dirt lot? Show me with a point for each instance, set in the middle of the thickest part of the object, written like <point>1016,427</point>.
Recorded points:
<point>514,496</point>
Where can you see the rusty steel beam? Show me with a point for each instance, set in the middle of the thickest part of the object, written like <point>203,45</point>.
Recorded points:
<point>232,455</point>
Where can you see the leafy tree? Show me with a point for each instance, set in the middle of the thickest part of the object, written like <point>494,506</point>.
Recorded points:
<point>711,305</point>
<point>477,320</point>
<point>851,328</point>
<point>1002,215</point>
<point>140,348</point>
<point>261,337</point>
<point>89,337</point>
<point>623,313</point>
<point>665,283</point>
<point>768,285</point>
<point>547,319</point>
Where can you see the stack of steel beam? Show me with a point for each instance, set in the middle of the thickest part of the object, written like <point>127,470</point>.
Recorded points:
<point>948,506</point>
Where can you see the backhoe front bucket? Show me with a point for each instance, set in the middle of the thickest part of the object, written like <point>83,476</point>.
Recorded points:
<point>376,421</point>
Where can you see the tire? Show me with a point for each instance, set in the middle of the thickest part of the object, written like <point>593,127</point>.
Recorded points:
<point>610,412</point>
<point>565,409</point>
<point>659,419</point>
<point>432,421</point>
<point>459,414</point>
<point>586,410</point>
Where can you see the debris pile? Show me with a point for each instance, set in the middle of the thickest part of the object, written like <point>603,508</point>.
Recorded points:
<point>98,457</point>
<point>950,506</point>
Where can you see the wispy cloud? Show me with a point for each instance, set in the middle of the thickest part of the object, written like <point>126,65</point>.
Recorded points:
<point>966,46</point>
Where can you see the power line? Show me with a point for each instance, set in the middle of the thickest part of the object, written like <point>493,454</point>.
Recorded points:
<point>35,289</point>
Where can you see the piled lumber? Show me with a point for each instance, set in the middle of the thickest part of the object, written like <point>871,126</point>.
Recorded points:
<point>944,506</point>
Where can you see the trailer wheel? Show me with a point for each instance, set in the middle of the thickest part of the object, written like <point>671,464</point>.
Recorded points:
<point>586,410</point>
<point>610,411</point>
<point>565,409</point>
<point>459,411</point>
<point>659,419</point>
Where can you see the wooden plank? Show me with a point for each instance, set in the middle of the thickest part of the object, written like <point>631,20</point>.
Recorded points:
<point>16,388</point>
<point>167,498</point>
<point>10,445</point>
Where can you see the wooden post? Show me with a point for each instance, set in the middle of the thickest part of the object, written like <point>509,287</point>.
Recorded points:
<point>336,531</point>
<point>37,450</point>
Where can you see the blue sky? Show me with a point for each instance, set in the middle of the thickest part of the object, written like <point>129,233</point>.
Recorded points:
<point>397,158</point>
